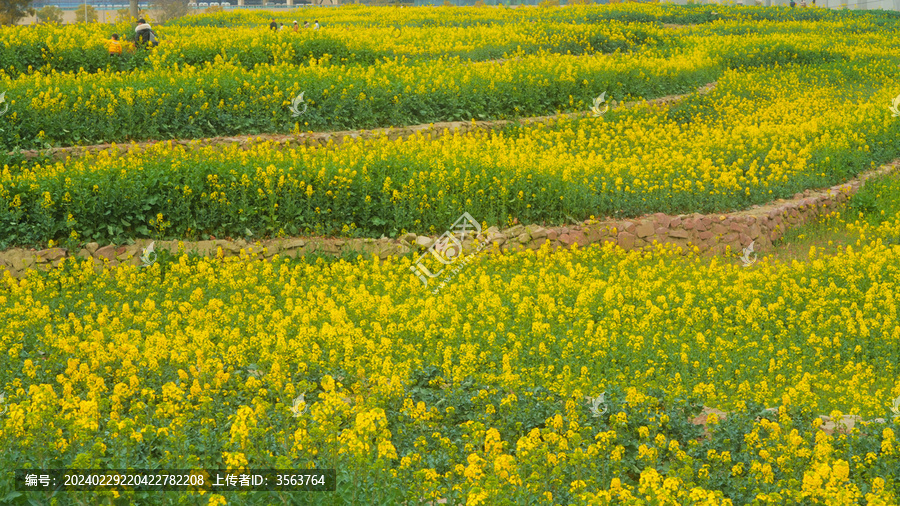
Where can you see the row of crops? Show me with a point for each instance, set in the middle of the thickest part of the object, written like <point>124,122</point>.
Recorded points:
<point>761,134</point>
<point>487,393</point>
<point>62,88</point>
<point>548,377</point>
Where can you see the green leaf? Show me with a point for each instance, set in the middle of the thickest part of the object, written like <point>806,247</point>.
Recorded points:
<point>12,495</point>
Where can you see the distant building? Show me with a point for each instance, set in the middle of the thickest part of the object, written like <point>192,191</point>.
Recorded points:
<point>888,5</point>
<point>98,5</point>
<point>493,2</point>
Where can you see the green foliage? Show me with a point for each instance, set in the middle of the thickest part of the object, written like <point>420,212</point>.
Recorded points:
<point>50,14</point>
<point>773,54</point>
<point>86,11</point>
<point>878,200</point>
<point>344,48</point>
<point>438,418</point>
<point>126,200</point>
<point>317,48</point>
<point>528,88</point>
<point>170,9</point>
<point>11,11</point>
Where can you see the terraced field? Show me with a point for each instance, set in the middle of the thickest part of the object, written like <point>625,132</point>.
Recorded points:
<point>590,329</point>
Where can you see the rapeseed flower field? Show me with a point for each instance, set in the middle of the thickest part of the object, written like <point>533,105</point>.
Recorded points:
<point>761,134</point>
<point>397,69</point>
<point>479,394</point>
<point>590,375</point>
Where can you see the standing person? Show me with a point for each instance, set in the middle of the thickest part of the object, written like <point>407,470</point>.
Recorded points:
<point>280,26</point>
<point>306,24</point>
<point>273,25</point>
<point>317,23</point>
<point>296,26</point>
<point>115,47</point>
<point>143,33</point>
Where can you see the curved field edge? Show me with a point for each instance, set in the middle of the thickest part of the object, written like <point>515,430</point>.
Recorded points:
<point>51,49</point>
<point>227,100</point>
<point>274,364</point>
<point>758,229</point>
<point>172,100</point>
<point>761,134</point>
<point>325,139</point>
<point>366,36</point>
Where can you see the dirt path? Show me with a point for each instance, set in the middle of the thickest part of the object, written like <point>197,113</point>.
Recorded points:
<point>324,138</point>
<point>713,234</point>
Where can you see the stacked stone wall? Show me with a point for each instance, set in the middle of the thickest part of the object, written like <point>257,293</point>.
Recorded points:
<point>693,233</point>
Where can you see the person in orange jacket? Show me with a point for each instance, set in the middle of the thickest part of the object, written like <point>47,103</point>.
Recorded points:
<point>115,47</point>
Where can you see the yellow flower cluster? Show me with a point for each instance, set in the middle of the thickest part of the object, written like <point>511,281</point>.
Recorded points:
<point>58,48</point>
<point>243,78</point>
<point>211,353</point>
<point>547,377</point>
<point>760,135</point>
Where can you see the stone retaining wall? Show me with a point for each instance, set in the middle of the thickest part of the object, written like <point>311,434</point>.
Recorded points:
<point>710,234</point>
